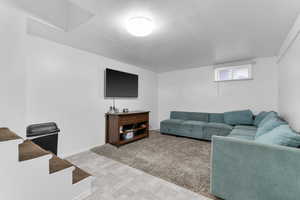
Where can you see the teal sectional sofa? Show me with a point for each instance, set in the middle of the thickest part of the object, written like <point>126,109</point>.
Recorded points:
<point>252,156</point>
<point>257,162</point>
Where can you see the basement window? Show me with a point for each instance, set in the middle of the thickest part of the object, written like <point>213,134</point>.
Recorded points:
<point>234,73</point>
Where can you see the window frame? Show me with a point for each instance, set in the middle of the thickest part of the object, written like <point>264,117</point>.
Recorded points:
<point>232,68</point>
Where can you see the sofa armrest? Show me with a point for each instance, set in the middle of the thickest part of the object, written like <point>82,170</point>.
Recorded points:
<point>248,170</point>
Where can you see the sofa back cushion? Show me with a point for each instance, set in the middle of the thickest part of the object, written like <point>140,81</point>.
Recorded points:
<point>216,117</point>
<point>267,117</point>
<point>242,117</point>
<point>260,117</point>
<point>194,116</point>
<point>281,135</point>
<point>269,124</point>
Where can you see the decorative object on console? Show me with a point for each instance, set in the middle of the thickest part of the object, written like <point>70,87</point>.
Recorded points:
<point>125,110</point>
<point>111,110</point>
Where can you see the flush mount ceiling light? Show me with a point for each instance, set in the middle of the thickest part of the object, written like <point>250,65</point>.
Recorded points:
<point>140,26</point>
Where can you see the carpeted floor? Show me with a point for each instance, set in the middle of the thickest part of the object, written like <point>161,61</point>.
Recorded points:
<point>185,162</point>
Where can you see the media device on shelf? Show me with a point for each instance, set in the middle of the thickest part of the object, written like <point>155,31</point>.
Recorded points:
<point>120,84</point>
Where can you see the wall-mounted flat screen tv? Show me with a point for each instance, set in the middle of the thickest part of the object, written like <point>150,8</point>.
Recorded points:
<point>121,84</point>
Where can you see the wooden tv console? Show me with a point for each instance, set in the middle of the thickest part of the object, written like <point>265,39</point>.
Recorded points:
<point>120,124</point>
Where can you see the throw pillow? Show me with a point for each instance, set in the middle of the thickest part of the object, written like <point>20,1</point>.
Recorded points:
<point>242,117</point>
<point>267,117</point>
<point>269,125</point>
<point>260,117</point>
<point>282,135</point>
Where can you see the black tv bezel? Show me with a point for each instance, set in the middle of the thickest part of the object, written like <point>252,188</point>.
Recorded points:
<point>105,88</point>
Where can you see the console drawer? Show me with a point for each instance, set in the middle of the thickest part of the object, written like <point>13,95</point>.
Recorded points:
<point>129,119</point>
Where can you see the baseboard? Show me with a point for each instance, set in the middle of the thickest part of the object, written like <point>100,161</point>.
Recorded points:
<point>64,156</point>
<point>156,130</point>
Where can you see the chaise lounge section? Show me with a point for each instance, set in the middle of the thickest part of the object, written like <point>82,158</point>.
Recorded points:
<point>252,156</point>
<point>257,162</point>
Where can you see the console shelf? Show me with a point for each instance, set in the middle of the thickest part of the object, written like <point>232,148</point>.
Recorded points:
<point>138,137</point>
<point>120,124</point>
<point>133,130</point>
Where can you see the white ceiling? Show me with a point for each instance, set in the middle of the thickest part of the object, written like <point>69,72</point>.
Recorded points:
<point>189,33</point>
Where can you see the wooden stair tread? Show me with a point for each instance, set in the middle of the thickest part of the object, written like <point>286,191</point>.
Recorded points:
<point>57,164</point>
<point>6,135</point>
<point>28,150</point>
<point>79,175</point>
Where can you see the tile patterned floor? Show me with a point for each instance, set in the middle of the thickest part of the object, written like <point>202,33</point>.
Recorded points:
<point>116,181</point>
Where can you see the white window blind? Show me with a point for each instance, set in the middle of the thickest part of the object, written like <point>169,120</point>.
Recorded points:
<point>231,73</point>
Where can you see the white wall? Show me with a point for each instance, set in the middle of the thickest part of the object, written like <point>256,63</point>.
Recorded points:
<point>12,71</point>
<point>194,90</point>
<point>44,81</point>
<point>289,78</point>
<point>66,85</point>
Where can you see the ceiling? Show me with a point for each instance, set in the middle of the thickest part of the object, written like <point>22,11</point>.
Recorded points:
<point>188,34</point>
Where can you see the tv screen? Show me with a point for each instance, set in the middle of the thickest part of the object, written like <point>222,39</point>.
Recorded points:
<point>120,84</point>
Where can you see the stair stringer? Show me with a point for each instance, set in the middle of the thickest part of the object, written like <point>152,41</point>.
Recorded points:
<point>9,152</point>
<point>31,180</point>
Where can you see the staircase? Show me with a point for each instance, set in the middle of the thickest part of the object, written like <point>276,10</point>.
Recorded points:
<point>28,172</point>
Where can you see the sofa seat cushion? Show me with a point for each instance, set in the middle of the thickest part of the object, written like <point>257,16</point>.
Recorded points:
<point>194,116</point>
<point>243,127</point>
<point>248,134</point>
<point>194,123</point>
<point>171,125</point>
<point>193,129</point>
<point>218,125</point>
<point>243,137</point>
<point>238,131</point>
<point>243,117</point>
<point>187,128</point>
<point>219,129</point>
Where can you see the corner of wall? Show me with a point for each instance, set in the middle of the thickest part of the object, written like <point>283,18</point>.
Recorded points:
<point>288,70</point>
<point>290,39</point>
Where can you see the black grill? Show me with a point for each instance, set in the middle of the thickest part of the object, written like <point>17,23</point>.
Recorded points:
<point>45,135</point>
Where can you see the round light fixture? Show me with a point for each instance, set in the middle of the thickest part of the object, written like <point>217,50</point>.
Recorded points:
<point>140,26</point>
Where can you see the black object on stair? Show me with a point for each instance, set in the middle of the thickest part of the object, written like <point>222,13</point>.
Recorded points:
<point>45,135</point>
